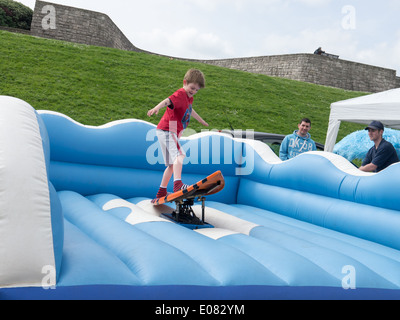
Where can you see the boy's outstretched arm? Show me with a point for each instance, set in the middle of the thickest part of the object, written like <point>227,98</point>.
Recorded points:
<point>199,119</point>
<point>156,109</point>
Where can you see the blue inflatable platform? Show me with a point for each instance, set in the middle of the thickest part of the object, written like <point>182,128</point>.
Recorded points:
<point>76,221</point>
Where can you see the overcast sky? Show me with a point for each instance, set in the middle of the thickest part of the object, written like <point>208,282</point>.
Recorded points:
<point>366,31</point>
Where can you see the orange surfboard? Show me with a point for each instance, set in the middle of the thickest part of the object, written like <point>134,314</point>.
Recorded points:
<point>208,186</point>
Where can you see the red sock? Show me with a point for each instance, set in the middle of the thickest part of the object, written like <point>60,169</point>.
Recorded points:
<point>178,185</point>
<point>161,193</point>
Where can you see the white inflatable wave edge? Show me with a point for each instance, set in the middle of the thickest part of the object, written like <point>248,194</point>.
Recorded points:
<point>105,126</point>
<point>263,150</point>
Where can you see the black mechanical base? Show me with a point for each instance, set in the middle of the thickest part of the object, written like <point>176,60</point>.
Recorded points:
<point>185,216</point>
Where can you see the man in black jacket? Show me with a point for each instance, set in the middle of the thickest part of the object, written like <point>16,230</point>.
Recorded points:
<point>383,154</point>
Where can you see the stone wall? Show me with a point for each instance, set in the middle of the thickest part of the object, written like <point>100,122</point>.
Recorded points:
<point>60,22</point>
<point>15,30</point>
<point>317,69</point>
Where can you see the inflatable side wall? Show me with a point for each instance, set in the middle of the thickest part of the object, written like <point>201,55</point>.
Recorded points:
<point>31,222</point>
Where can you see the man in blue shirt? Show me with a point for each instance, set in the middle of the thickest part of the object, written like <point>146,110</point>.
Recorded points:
<point>298,142</point>
<point>383,154</point>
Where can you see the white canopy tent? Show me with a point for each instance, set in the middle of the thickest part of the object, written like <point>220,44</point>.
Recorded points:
<point>383,106</point>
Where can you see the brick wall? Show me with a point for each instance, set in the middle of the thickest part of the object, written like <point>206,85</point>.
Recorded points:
<point>15,30</point>
<point>60,22</point>
<point>317,69</point>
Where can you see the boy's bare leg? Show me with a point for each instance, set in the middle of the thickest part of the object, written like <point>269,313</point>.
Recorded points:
<point>167,176</point>
<point>162,192</point>
<point>178,165</point>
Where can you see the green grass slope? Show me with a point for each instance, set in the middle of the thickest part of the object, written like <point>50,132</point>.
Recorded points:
<point>96,85</point>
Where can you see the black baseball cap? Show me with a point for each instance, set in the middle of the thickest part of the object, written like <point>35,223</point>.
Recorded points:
<point>375,125</point>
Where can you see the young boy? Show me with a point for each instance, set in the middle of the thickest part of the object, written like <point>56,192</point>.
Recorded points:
<point>175,120</point>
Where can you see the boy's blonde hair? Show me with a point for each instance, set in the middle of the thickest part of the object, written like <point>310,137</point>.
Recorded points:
<point>195,76</point>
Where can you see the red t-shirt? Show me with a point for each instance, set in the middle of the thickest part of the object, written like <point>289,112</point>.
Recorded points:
<point>177,117</point>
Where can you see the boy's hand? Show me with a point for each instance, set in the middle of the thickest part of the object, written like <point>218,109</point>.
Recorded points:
<point>157,109</point>
<point>152,112</point>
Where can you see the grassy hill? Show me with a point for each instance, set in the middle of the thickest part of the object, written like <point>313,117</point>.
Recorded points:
<point>96,85</point>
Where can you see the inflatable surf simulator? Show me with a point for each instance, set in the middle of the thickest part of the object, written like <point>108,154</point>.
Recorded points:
<point>77,222</point>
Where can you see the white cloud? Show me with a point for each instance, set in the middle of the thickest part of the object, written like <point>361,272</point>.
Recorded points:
<point>396,51</point>
<point>306,41</point>
<point>186,43</point>
<point>238,5</point>
<point>382,54</point>
<point>314,3</point>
